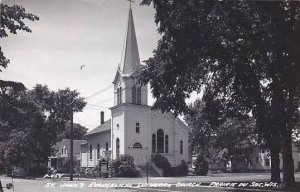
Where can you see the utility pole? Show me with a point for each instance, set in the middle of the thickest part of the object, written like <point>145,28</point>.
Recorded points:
<point>71,147</point>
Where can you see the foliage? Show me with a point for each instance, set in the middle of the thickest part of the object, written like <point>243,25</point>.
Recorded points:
<point>124,166</point>
<point>161,162</point>
<point>31,122</point>
<point>245,53</point>
<point>78,132</point>
<point>219,137</point>
<point>201,165</point>
<point>12,20</point>
<point>66,164</point>
<point>180,170</point>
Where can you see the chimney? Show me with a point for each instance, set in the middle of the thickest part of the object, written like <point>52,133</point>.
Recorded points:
<point>102,117</point>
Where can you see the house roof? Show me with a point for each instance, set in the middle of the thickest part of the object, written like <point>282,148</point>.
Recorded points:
<point>66,143</point>
<point>106,126</point>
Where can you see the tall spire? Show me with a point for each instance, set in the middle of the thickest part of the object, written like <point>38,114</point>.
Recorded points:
<point>131,60</point>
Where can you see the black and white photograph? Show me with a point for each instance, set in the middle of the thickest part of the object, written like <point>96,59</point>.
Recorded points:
<point>149,95</point>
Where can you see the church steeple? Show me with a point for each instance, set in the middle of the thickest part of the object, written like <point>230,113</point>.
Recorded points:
<point>131,59</point>
<point>126,87</point>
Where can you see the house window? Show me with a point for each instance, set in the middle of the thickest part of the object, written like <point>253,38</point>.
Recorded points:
<point>118,147</point>
<point>153,143</point>
<point>267,162</point>
<point>166,144</point>
<point>62,151</point>
<point>106,146</point>
<point>137,127</point>
<point>118,126</point>
<point>137,146</point>
<point>160,141</point>
<point>181,147</point>
<point>91,152</point>
<point>98,151</point>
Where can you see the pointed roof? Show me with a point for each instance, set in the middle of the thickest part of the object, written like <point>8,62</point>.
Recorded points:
<point>131,59</point>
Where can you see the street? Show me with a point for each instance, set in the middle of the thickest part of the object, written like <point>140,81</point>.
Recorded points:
<point>174,184</point>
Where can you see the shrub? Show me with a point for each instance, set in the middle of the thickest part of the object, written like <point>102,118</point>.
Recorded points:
<point>124,166</point>
<point>201,166</point>
<point>162,162</point>
<point>182,169</point>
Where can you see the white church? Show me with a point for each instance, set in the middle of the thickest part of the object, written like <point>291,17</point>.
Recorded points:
<point>134,129</point>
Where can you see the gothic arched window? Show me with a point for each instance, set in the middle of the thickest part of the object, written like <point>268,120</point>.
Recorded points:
<point>137,146</point>
<point>166,144</point>
<point>118,147</point>
<point>98,151</point>
<point>133,90</point>
<point>91,152</point>
<point>139,95</point>
<point>153,143</point>
<point>118,97</point>
<point>160,141</point>
<point>181,147</point>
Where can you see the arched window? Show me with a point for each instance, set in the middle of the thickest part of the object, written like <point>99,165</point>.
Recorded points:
<point>139,95</point>
<point>153,143</point>
<point>118,126</point>
<point>133,90</point>
<point>160,141</point>
<point>120,94</point>
<point>98,151</point>
<point>166,143</point>
<point>118,147</point>
<point>118,97</point>
<point>137,146</point>
<point>106,146</point>
<point>91,152</point>
<point>137,127</point>
<point>181,147</point>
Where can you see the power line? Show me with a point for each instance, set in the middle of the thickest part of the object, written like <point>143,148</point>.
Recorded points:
<point>99,92</point>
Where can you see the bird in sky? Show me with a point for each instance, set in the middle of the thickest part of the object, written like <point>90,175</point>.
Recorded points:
<point>82,66</point>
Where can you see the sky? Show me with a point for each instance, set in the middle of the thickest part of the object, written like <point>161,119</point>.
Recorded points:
<point>72,33</point>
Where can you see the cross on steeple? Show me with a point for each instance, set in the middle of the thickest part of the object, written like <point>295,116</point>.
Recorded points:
<point>130,1</point>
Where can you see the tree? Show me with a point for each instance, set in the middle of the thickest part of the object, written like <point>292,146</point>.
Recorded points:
<point>79,131</point>
<point>244,53</point>
<point>219,137</point>
<point>31,123</point>
<point>12,20</point>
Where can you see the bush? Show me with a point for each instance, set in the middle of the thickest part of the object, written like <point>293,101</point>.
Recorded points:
<point>162,162</point>
<point>201,166</point>
<point>182,169</point>
<point>124,166</point>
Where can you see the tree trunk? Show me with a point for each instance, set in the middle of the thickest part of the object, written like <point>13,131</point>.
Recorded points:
<point>275,165</point>
<point>288,162</point>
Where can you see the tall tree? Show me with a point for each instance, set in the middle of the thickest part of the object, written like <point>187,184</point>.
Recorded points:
<point>11,21</point>
<point>220,136</point>
<point>245,53</point>
<point>32,122</point>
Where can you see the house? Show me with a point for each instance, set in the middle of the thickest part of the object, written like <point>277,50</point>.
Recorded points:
<point>259,160</point>
<point>62,153</point>
<point>134,128</point>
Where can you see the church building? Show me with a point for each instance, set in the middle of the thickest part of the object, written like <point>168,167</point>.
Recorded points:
<point>134,129</point>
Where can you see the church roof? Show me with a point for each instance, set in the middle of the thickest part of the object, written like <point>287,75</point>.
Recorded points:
<point>106,126</point>
<point>131,59</point>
